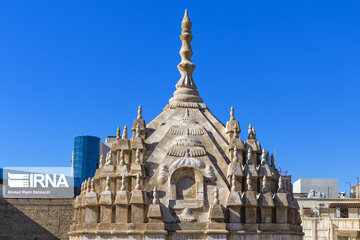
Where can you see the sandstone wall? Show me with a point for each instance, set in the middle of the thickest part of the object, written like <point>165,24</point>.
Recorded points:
<point>35,218</point>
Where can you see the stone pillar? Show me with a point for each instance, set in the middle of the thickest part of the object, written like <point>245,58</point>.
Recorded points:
<point>92,207</point>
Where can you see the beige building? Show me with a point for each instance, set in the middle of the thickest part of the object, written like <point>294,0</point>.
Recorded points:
<point>330,218</point>
<point>186,175</point>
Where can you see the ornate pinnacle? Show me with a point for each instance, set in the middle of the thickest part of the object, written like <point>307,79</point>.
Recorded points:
<point>216,196</point>
<point>92,185</point>
<point>233,183</point>
<point>139,116</point>
<point>138,186</point>
<point>123,183</point>
<point>263,156</point>
<point>122,157</point>
<point>186,90</point>
<point>236,134</point>
<point>137,130</point>
<point>101,161</point>
<point>118,133</point>
<point>272,160</point>
<point>249,160</point>
<point>137,156</point>
<point>281,185</point>
<point>232,116</point>
<point>88,183</point>
<point>107,183</point>
<point>264,185</point>
<point>155,196</point>
<point>235,158</point>
<point>248,183</point>
<point>125,134</point>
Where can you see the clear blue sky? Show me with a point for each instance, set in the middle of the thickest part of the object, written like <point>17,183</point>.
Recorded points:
<point>291,68</point>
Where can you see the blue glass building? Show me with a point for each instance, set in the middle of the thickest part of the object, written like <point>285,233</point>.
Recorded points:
<point>86,156</point>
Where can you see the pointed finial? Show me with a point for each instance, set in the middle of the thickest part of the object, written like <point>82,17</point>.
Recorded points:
<point>138,186</point>
<point>272,160</point>
<point>232,116</point>
<point>107,183</point>
<point>186,90</point>
<point>82,187</point>
<point>155,196</point>
<point>263,156</point>
<point>139,116</point>
<point>101,160</point>
<point>249,129</point>
<point>88,185</point>
<point>92,185</point>
<point>123,183</point>
<point>118,133</point>
<point>122,158</point>
<point>249,160</point>
<point>233,183</point>
<point>267,156</point>
<point>248,183</point>
<point>264,185</point>
<point>281,185</point>
<point>253,132</point>
<point>216,196</point>
<point>235,158</point>
<point>236,131</point>
<point>137,156</point>
<point>125,133</point>
<point>137,130</point>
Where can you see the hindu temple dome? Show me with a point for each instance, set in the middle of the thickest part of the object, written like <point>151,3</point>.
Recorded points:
<point>185,175</point>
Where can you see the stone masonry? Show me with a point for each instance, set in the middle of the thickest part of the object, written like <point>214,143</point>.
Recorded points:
<point>185,175</point>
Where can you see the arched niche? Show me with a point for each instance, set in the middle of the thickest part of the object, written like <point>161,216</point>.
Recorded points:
<point>186,188</point>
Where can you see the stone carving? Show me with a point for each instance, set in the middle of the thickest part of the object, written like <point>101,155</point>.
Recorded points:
<point>108,159</point>
<point>186,175</point>
<point>163,174</point>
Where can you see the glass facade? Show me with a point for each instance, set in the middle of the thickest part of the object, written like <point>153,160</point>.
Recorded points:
<point>86,156</point>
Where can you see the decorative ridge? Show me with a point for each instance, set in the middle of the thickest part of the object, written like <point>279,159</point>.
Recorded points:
<point>186,90</point>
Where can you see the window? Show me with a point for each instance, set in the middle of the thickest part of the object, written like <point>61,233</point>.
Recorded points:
<point>342,212</point>
<point>342,238</point>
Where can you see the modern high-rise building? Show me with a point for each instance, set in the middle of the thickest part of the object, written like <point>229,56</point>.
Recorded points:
<point>85,156</point>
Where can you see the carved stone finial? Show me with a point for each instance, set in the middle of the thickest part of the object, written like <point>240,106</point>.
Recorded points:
<point>186,90</point>
<point>233,183</point>
<point>123,183</point>
<point>107,188</point>
<point>88,185</point>
<point>92,185</point>
<point>137,156</point>
<point>236,130</point>
<point>216,196</point>
<point>139,116</point>
<point>138,185</point>
<point>281,185</point>
<point>82,186</point>
<point>108,158</point>
<point>249,160</point>
<point>125,133</point>
<point>253,132</point>
<point>122,158</point>
<point>118,133</point>
<point>248,183</point>
<point>272,160</point>
<point>137,130</point>
<point>249,129</point>
<point>264,185</point>
<point>232,115</point>
<point>155,196</point>
<point>235,158</point>
<point>101,163</point>
<point>163,174</point>
<point>263,156</point>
